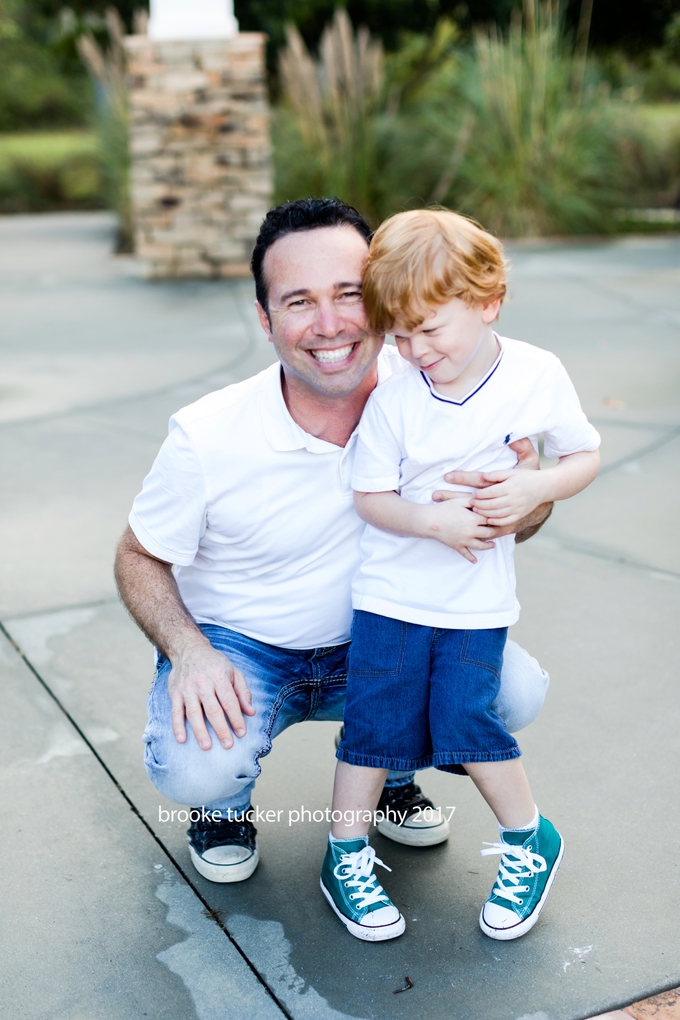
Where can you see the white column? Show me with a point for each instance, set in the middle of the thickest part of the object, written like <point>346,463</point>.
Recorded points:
<point>192,19</point>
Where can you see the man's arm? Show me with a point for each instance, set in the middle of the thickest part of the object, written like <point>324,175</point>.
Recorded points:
<point>203,682</point>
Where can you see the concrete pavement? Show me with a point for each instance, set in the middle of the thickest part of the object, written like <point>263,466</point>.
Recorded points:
<point>102,922</point>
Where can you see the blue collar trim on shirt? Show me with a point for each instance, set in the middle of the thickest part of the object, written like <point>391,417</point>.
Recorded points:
<point>459,403</point>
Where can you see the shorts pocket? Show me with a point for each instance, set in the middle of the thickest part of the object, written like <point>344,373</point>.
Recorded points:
<point>378,645</point>
<point>484,648</point>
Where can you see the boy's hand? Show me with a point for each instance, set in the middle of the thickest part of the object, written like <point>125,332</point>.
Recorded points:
<point>452,523</point>
<point>513,495</point>
<point>510,495</point>
<point>527,459</point>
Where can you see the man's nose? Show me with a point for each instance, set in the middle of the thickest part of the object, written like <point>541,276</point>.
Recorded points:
<point>327,322</point>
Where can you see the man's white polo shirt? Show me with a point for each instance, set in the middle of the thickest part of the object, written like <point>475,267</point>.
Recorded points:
<point>257,515</point>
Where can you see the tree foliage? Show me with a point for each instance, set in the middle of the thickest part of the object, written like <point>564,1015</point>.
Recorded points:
<point>633,24</point>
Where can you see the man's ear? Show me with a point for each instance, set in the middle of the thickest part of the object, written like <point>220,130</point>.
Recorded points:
<point>265,321</point>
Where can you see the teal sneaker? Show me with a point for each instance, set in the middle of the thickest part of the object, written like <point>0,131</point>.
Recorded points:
<point>351,888</point>
<point>527,871</point>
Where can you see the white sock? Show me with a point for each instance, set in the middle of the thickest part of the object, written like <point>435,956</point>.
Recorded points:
<point>533,824</point>
<point>344,839</point>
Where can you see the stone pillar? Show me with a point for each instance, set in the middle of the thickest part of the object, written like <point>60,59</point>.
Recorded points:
<point>201,178</point>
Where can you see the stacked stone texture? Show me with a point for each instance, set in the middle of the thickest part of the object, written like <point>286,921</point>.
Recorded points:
<point>201,175</point>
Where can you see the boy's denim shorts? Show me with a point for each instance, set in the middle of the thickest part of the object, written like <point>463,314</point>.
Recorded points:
<point>420,697</point>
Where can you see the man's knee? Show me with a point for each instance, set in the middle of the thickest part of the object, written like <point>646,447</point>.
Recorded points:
<point>523,688</point>
<point>186,774</point>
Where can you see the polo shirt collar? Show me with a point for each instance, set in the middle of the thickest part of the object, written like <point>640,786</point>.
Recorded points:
<point>282,433</point>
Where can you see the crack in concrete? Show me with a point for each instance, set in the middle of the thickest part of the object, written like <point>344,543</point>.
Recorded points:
<point>133,807</point>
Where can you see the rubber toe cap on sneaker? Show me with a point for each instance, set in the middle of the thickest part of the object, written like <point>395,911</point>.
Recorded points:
<point>499,917</point>
<point>380,917</point>
<point>227,855</point>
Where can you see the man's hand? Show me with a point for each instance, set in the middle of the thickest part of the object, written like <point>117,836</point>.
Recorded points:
<point>204,684</point>
<point>523,527</point>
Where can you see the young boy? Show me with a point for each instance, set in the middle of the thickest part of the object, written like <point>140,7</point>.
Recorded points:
<point>431,618</point>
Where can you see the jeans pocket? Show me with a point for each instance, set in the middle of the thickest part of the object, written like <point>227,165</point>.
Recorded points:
<point>378,645</point>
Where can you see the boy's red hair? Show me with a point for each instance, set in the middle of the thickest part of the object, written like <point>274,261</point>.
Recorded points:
<point>425,258</point>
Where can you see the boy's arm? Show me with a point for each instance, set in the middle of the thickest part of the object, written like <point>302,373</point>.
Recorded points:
<point>449,522</point>
<point>514,494</point>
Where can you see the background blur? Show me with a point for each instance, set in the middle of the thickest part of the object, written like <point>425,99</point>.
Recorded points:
<point>534,118</point>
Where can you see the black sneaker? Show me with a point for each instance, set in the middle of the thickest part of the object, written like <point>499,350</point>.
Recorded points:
<point>409,817</point>
<point>223,851</point>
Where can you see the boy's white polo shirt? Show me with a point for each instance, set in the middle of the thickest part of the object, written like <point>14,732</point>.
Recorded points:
<point>257,515</point>
<point>410,436</point>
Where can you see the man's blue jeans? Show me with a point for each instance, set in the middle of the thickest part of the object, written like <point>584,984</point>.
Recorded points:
<point>288,686</point>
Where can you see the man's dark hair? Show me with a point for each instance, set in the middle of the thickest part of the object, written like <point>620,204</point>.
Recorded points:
<point>304,214</point>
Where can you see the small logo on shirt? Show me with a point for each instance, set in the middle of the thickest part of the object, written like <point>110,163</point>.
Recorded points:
<point>507,438</point>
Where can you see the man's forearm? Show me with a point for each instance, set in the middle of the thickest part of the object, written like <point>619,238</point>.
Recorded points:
<point>533,522</point>
<point>149,591</point>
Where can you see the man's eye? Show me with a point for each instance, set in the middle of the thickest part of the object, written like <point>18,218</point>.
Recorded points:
<point>351,294</point>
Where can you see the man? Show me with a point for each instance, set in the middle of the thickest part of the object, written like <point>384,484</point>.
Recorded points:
<point>241,547</point>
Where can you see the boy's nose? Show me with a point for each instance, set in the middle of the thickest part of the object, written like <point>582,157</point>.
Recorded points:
<point>420,348</point>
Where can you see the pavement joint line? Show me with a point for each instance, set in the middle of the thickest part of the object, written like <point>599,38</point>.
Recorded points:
<point>130,398</point>
<point>52,610</point>
<point>642,452</point>
<point>229,366</point>
<point>604,554</point>
<point>214,915</point>
<point>626,423</point>
<point>650,313</point>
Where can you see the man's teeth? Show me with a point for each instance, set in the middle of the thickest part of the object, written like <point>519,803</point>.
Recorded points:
<point>339,354</point>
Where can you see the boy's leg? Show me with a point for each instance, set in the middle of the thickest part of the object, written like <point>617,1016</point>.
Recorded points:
<point>386,726</point>
<point>467,729</point>
<point>410,817</point>
<point>505,788</point>
<point>531,850</point>
<point>356,792</point>
<point>347,879</point>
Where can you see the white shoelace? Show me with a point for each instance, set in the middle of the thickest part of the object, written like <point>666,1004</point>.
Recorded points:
<point>356,871</point>
<point>510,871</point>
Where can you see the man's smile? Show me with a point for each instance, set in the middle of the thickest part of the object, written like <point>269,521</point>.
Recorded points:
<point>332,356</point>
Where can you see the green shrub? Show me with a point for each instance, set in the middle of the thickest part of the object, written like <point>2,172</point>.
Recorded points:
<point>357,124</point>
<point>34,90</point>
<point>48,172</point>
<point>107,68</point>
<point>661,79</point>
<point>512,131</point>
<point>649,146</point>
<point>542,155</point>
<point>326,132</point>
